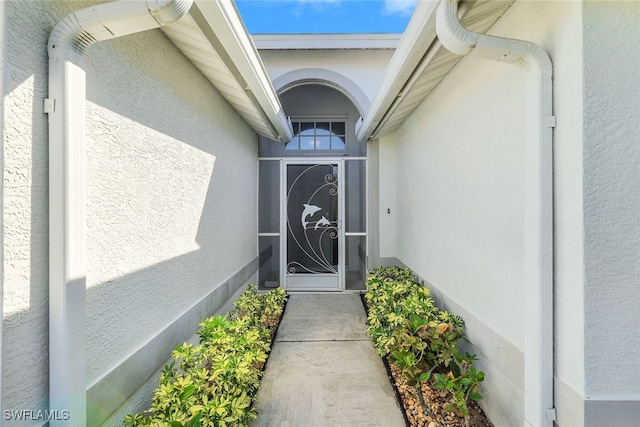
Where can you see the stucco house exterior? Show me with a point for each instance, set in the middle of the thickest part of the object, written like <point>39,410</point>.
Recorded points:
<point>150,151</point>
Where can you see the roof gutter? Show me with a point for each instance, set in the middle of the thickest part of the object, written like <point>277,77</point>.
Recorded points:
<point>246,64</point>
<point>68,41</point>
<point>538,357</point>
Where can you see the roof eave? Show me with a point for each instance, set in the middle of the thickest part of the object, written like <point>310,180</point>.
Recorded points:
<point>420,31</point>
<point>420,63</point>
<point>214,38</point>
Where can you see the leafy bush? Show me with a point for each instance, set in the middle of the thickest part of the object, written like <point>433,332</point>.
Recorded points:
<point>216,382</point>
<point>406,325</point>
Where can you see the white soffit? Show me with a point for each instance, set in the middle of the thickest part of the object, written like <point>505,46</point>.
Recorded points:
<point>419,64</point>
<point>326,41</point>
<point>214,38</point>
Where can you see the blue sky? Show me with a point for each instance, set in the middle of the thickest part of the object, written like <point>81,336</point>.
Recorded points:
<point>325,16</point>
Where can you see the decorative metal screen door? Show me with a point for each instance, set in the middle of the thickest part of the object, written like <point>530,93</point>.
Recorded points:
<point>312,237</point>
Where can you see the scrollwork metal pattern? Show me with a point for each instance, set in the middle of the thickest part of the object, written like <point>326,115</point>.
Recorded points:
<point>314,231</point>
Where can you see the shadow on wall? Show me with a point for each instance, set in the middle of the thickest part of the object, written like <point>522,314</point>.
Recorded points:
<point>182,128</point>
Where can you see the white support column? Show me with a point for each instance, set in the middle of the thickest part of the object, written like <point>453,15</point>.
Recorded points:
<point>67,278</point>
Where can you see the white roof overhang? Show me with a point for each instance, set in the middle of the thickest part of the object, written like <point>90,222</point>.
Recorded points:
<point>213,37</point>
<point>382,41</point>
<point>419,64</point>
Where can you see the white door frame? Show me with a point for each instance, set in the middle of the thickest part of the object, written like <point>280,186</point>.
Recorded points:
<point>284,274</point>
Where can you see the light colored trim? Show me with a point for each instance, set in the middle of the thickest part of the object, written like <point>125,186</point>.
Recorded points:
<point>383,41</point>
<point>388,261</point>
<point>70,38</point>
<point>499,358</point>
<point>268,234</point>
<point>342,219</point>
<point>356,234</point>
<point>538,230</point>
<point>419,64</point>
<point>610,412</point>
<point>324,77</point>
<point>106,394</point>
<point>242,59</point>
<point>501,352</point>
<point>284,233</point>
<point>569,403</point>
<point>421,31</point>
<point>2,65</point>
<point>320,118</point>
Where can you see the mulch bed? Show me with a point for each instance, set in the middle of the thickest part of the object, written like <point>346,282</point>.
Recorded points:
<point>436,401</point>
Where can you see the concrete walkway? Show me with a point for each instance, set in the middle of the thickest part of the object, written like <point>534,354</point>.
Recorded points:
<point>323,370</point>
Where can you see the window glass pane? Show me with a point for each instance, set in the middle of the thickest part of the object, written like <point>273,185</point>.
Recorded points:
<point>306,128</point>
<point>307,142</point>
<point>322,128</point>
<point>338,128</point>
<point>293,144</point>
<point>269,274</point>
<point>322,143</point>
<point>355,203</point>
<point>337,143</point>
<point>269,196</point>
<point>323,136</point>
<point>356,262</point>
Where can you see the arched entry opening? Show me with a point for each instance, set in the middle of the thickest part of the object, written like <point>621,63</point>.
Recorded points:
<point>312,196</point>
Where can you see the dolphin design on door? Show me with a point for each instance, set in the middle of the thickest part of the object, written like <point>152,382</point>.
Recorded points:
<point>323,221</point>
<point>309,210</point>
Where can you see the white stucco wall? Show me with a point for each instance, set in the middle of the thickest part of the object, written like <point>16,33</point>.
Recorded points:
<point>25,220</point>
<point>612,200</point>
<point>171,200</point>
<point>459,200</point>
<point>171,196</point>
<point>364,67</point>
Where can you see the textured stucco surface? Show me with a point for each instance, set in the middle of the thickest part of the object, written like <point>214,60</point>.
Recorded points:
<point>171,202</point>
<point>458,194</point>
<point>171,196</point>
<point>364,68</point>
<point>612,200</point>
<point>25,192</point>
<point>457,184</point>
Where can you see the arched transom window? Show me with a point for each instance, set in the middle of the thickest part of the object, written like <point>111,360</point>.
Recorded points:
<point>318,136</point>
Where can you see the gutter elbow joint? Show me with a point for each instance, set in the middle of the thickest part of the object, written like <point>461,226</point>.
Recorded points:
<point>451,34</point>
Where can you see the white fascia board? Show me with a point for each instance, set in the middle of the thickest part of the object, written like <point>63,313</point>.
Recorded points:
<point>224,19</point>
<point>420,32</point>
<point>381,41</point>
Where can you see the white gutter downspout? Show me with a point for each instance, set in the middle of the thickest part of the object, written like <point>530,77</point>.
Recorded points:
<point>538,357</point>
<point>68,41</point>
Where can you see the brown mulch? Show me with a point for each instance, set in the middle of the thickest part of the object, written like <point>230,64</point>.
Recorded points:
<point>436,401</point>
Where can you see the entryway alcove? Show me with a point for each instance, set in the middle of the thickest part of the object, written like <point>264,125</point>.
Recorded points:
<point>312,196</point>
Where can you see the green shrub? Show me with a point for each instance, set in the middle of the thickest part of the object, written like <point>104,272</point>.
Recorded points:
<point>216,382</point>
<point>419,338</point>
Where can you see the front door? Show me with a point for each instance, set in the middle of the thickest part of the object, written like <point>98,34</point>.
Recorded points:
<point>311,229</point>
